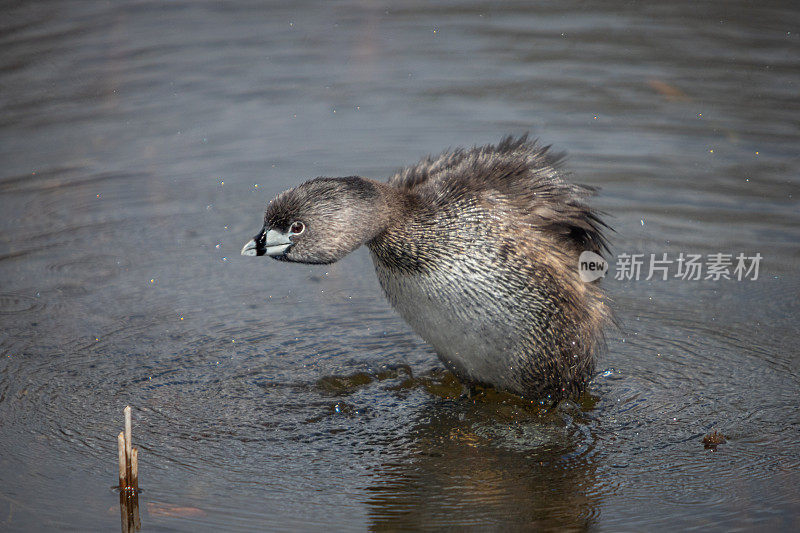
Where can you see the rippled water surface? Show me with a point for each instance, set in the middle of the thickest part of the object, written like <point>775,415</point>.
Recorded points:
<point>140,141</point>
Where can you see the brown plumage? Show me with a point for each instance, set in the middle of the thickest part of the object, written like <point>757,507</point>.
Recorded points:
<point>477,249</point>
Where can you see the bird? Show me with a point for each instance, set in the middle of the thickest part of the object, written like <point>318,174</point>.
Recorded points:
<point>478,250</point>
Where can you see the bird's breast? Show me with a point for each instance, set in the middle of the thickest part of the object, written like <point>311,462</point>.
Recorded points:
<point>461,311</point>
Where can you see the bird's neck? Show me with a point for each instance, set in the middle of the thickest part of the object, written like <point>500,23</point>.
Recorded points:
<point>396,244</point>
<point>395,208</point>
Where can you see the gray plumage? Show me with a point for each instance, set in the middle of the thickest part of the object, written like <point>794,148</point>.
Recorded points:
<point>478,251</point>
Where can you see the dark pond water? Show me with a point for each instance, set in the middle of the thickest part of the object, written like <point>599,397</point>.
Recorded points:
<point>140,141</point>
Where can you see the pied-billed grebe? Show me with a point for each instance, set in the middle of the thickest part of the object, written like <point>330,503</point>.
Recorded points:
<point>476,249</point>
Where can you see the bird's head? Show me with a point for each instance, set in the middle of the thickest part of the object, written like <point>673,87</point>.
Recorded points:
<point>320,221</point>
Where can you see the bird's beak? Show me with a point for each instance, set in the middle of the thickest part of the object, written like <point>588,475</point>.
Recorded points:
<point>251,249</point>
<point>268,242</point>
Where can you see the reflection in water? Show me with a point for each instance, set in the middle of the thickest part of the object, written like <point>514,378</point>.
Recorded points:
<point>487,462</point>
<point>129,511</point>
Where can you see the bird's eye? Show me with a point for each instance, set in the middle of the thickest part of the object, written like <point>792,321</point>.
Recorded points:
<point>297,228</point>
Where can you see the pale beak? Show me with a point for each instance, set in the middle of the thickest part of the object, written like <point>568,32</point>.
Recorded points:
<point>272,243</point>
<point>251,248</point>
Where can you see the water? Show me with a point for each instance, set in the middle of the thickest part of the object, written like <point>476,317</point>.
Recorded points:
<point>140,141</point>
